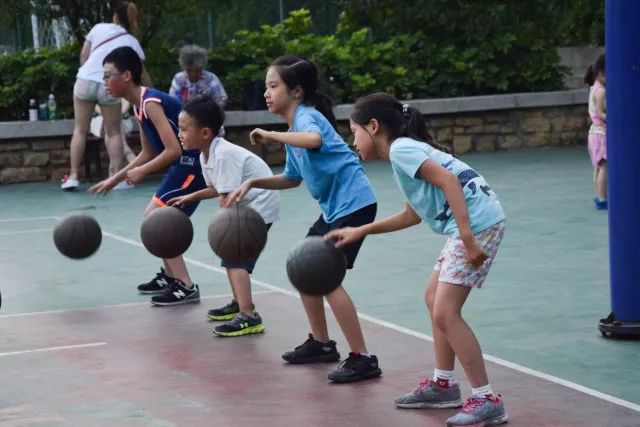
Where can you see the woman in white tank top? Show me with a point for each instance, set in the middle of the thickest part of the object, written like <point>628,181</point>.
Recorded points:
<point>89,89</point>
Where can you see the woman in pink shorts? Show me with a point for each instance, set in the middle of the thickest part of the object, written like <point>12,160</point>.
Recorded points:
<point>595,78</point>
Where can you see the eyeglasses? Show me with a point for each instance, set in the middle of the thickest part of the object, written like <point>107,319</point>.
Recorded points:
<point>107,76</point>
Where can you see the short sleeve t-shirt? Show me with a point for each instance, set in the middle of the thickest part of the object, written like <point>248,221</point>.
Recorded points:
<point>429,201</point>
<point>103,38</point>
<point>332,173</point>
<point>229,165</point>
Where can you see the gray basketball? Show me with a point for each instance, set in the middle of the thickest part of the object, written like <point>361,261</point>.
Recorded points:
<point>316,267</point>
<point>237,234</point>
<point>77,236</point>
<point>166,232</point>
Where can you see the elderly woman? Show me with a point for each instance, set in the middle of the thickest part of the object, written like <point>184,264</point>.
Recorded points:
<point>195,80</point>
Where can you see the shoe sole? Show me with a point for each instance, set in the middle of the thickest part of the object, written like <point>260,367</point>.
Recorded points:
<point>187,301</point>
<point>367,376</point>
<point>426,405</point>
<point>318,359</point>
<point>69,189</point>
<point>247,331</point>
<point>502,419</point>
<point>225,317</point>
<point>158,292</point>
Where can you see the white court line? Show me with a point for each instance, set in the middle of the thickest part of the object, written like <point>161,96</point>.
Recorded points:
<point>496,360</point>
<point>36,230</point>
<point>33,218</point>
<point>64,347</point>
<point>126,304</point>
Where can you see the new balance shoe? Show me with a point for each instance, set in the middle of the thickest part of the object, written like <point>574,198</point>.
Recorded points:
<point>356,367</point>
<point>431,394</point>
<point>227,312</point>
<point>69,184</point>
<point>480,412</point>
<point>313,351</point>
<point>240,325</point>
<point>176,294</point>
<point>157,285</point>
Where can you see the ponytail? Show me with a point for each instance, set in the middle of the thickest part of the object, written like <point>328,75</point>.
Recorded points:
<point>324,105</point>
<point>127,13</point>
<point>590,77</point>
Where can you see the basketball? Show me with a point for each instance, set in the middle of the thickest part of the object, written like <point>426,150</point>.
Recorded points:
<point>167,232</point>
<point>77,236</point>
<point>237,234</point>
<point>316,267</point>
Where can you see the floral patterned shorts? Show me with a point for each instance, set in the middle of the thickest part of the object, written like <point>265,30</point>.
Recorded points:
<point>454,266</point>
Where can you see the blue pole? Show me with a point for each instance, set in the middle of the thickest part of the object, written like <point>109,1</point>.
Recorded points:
<point>622,35</point>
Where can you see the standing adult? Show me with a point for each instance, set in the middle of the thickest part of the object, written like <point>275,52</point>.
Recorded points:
<point>89,89</point>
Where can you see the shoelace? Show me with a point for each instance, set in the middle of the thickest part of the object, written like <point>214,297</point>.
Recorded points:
<point>240,318</point>
<point>349,362</point>
<point>471,404</point>
<point>424,383</point>
<point>309,340</point>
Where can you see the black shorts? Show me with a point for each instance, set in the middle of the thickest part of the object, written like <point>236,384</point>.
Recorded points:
<point>360,217</point>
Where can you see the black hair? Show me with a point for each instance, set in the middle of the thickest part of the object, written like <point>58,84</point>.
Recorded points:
<point>127,13</point>
<point>297,71</point>
<point>594,69</point>
<point>125,59</point>
<point>396,118</point>
<point>205,112</point>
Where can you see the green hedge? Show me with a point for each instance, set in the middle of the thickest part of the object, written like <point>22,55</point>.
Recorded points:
<point>407,65</point>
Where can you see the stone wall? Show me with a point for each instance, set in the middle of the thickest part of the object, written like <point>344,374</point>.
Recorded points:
<point>39,151</point>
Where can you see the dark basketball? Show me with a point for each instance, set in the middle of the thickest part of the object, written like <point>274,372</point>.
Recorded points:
<point>237,234</point>
<point>77,236</point>
<point>316,267</point>
<point>167,232</point>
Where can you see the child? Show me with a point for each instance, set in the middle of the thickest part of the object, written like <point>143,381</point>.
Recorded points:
<point>225,166</point>
<point>319,156</point>
<point>157,115</point>
<point>595,78</point>
<point>453,200</point>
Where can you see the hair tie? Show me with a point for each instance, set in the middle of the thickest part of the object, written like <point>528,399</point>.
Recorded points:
<point>405,110</point>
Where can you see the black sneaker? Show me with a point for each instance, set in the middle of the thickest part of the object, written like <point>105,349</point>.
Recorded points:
<point>157,285</point>
<point>227,312</point>
<point>313,351</point>
<point>240,325</point>
<point>356,367</point>
<point>177,293</point>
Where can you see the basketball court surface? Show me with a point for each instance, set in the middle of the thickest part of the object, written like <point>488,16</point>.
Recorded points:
<point>80,347</point>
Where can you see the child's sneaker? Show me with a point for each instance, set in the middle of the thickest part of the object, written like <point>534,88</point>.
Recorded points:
<point>313,351</point>
<point>356,367</point>
<point>176,294</point>
<point>227,312</point>
<point>123,185</point>
<point>157,285</point>
<point>240,325</point>
<point>601,205</point>
<point>480,412</point>
<point>431,394</point>
<point>69,184</point>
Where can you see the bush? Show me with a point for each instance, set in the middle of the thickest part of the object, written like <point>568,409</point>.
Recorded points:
<point>354,62</point>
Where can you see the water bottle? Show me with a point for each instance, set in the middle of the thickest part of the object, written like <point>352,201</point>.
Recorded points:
<point>51,106</point>
<point>43,114</point>
<point>33,110</point>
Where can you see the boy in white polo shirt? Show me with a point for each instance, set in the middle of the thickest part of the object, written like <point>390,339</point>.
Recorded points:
<point>225,166</point>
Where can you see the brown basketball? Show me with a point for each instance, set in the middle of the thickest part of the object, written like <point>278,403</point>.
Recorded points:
<point>77,236</point>
<point>167,232</point>
<point>237,234</point>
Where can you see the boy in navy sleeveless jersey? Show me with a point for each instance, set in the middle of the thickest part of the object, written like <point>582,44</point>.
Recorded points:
<point>157,115</point>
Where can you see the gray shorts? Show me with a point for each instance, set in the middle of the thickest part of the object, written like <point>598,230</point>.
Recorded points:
<point>91,91</point>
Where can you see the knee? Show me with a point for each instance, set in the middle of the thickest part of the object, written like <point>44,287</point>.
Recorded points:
<point>443,318</point>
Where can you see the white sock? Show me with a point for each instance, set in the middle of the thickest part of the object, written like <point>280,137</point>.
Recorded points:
<point>481,392</point>
<point>445,375</point>
<point>365,354</point>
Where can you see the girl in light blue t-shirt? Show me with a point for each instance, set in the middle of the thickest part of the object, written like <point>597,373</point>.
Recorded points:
<point>317,155</point>
<point>453,200</point>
